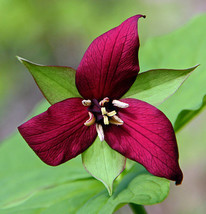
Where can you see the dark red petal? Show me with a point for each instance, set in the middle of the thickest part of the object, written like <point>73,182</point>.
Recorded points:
<point>147,137</point>
<point>59,134</point>
<point>110,65</point>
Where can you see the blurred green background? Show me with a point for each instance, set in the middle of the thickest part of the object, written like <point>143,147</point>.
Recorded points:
<point>57,32</point>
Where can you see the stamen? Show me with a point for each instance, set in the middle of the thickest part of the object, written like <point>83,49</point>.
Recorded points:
<point>103,110</point>
<point>111,113</point>
<point>106,120</point>
<point>103,117</point>
<point>100,131</point>
<point>105,100</point>
<point>86,102</point>
<point>116,120</point>
<point>91,120</point>
<point>120,104</point>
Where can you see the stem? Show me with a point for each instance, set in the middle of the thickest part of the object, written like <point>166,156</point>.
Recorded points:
<point>137,209</point>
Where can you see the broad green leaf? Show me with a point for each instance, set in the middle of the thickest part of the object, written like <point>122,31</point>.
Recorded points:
<point>186,115</point>
<point>57,83</point>
<point>139,209</point>
<point>138,188</point>
<point>28,186</point>
<point>183,48</point>
<point>40,189</point>
<point>64,198</point>
<point>103,163</point>
<point>154,86</point>
<point>23,174</point>
<point>192,144</point>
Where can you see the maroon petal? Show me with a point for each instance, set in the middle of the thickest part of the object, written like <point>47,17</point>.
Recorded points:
<point>147,137</point>
<point>59,134</point>
<point>110,65</point>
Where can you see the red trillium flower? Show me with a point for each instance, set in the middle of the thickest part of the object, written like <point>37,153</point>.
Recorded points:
<point>135,129</point>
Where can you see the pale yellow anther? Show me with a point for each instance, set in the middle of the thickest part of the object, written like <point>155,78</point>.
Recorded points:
<point>104,111</point>
<point>111,113</point>
<point>100,131</point>
<point>120,104</point>
<point>86,102</point>
<point>91,120</point>
<point>106,120</point>
<point>116,120</point>
<point>105,100</point>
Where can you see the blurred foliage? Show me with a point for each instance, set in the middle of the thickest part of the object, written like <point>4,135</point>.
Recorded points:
<point>190,50</point>
<point>58,32</point>
<point>55,32</point>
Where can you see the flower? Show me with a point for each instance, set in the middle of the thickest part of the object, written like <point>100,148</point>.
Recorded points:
<point>134,128</point>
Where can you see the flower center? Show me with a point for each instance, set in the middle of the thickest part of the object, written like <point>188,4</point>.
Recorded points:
<point>103,113</point>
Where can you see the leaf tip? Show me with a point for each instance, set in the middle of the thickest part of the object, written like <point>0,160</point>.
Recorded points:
<point>26,62</point>
<point>20,59</point>
<point>23,61</point>
<point>109,191</point>
<point>194,67</point>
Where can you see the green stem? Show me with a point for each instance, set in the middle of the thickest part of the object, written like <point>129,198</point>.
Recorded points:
<point>137,209</point>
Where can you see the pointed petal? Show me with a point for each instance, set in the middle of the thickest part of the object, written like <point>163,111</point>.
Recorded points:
<point>147,137</point>
<point>59,134</point>
<point>110,65</point>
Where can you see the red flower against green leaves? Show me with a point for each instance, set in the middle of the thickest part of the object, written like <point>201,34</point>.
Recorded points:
<point>135,129</point>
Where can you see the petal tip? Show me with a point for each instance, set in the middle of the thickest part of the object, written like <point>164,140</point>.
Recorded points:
<point>179,179</point>
<point>114,69</point>
<point>140,16</point>
<point>20,129</point>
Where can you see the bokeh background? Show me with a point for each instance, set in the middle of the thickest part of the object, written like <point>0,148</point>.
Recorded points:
<point>57,32</point>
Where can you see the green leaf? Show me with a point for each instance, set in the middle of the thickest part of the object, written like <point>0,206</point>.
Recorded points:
<point>25,174</point>
<point>186,115</point>
<point>57,83</point>
<point>183,48</point>
<point>137,209</point>
<point>137,187</point>
<point>103,163</point>
<point>28,186</point>
<point>154,86</point>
